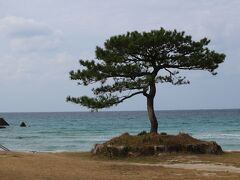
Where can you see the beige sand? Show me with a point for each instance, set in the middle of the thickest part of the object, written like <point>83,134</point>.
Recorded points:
<point>69,166</point>
<point>194,166</point>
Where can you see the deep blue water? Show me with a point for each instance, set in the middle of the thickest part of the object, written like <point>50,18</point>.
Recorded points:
<point>79,131</point>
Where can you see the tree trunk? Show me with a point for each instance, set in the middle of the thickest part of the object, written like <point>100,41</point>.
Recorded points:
<point>151,115</point>
<point>150,109</point>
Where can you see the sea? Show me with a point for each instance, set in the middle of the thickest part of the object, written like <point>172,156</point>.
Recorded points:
<point>79,131</point>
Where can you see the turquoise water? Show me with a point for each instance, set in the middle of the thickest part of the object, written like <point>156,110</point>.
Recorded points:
<point>79,131</point>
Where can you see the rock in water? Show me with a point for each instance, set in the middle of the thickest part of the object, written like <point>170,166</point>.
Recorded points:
<point>3,122</point>
<point>23,124</point>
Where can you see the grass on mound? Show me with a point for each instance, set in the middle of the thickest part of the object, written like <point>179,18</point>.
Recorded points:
<point>147,139</point>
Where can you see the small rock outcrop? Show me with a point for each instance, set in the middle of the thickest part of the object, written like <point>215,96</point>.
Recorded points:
<point>23,124</point>
<point>148,145</point>
<point>110,150</point>
<point>3,123</point>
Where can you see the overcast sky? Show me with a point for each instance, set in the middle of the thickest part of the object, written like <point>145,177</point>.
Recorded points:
<point>42,40</point>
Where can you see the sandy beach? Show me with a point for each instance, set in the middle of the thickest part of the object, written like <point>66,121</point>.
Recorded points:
<point>35,165</point>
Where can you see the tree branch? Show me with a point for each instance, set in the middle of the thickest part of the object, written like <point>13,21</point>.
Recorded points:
<point>127,97</point>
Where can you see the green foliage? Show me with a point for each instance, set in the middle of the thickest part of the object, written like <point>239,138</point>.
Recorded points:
<point>129,64</point>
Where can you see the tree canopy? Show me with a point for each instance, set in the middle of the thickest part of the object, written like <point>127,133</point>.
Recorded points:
<point>131,64</point>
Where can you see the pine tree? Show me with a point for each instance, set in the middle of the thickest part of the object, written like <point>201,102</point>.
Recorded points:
<point>133,63</point>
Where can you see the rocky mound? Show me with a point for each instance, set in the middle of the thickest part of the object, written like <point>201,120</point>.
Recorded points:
<point>146,144</point>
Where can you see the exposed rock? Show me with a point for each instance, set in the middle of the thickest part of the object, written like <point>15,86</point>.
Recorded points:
<point>23,124</point>
<point>110,151</point>
<point>174,148</point>
<point>116,151</point>
<point>160,148</point>
<point>146,150</point>
<point>204,148</point>
<point>98,149</point>
<point>123,151</point>
<point>3,122</point>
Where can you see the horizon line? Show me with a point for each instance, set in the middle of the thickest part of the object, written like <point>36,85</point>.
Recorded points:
<point>202,109</point>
